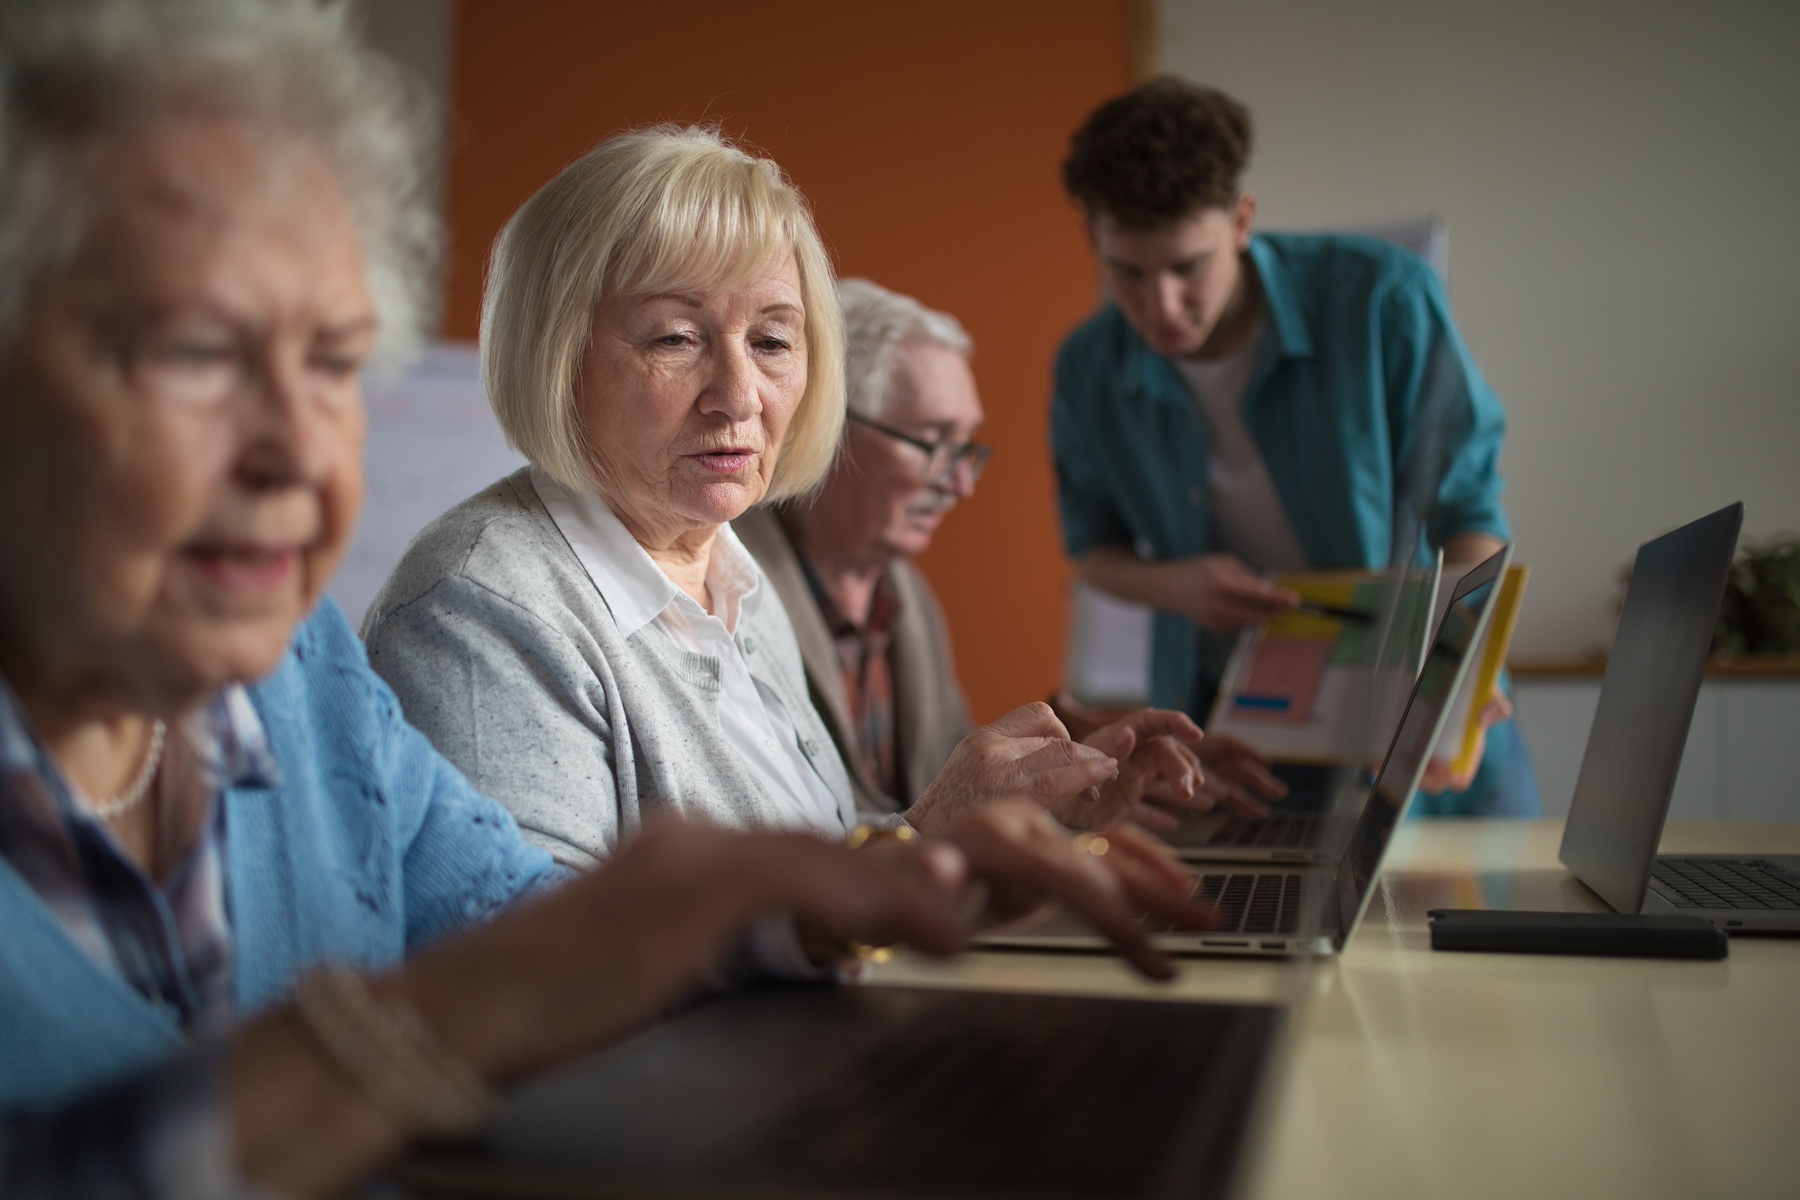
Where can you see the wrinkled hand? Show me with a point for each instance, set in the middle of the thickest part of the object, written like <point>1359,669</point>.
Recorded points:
<point>1026,753</point>
<point>601,953</point>
<point>1155,750</point>
<point>1438,775</point>
<point>1082,719</point>
<point>1174,768</point>
<point>1238,776</point>
<point>1026,860</point>
<point>1222,594</point>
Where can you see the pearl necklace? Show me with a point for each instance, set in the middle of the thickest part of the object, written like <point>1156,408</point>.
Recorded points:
<point>133,795</point>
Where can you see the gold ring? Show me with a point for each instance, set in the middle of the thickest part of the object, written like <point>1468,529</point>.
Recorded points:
<point>862,835</point>
<point>1092,843</point>
<point>873,955</point>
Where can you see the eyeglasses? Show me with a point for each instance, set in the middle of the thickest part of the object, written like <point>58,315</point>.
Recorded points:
<point>941,458</point>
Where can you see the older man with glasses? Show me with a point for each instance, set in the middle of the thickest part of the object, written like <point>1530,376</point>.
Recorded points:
<point>876,648</point>
<point>871,632</point>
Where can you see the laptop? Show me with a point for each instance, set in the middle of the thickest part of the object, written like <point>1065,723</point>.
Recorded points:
<point>1312,821</point>
<point>1321,798</point>
<point>885,1091</point>
<point>1635,746</point>
<point>1290,911</point>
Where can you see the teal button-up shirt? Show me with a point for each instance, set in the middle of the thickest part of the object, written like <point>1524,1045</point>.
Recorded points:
<point>1363,398</point>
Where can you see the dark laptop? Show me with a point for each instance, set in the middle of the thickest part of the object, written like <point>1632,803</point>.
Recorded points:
<point>1635,745</point>
<point>889,1092</point>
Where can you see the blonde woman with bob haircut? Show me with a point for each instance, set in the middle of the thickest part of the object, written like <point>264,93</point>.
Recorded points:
<point>587,639</point>
<point>662,211</point>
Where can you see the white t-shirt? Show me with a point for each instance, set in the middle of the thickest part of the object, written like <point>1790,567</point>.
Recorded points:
<point>754,720</point>
<point>1247,516</point>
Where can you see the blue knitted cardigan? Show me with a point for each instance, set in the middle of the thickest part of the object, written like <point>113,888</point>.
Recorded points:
<point>370,846</point>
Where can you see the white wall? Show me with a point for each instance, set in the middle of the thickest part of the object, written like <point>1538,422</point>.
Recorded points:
<point>1741,761</point>
<point>1622,186</point>
<point>433,442</point>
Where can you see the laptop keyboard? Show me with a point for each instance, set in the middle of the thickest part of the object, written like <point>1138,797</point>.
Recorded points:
<point>1016,1095</point>
<point>1253,901</point>
<point>1726,883</point>
<point>1278,832</point>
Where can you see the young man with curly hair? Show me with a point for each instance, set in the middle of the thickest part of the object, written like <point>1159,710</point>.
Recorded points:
<point>1245,403</point>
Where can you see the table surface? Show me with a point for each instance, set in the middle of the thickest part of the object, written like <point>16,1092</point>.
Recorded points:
<point>1413,1073</point>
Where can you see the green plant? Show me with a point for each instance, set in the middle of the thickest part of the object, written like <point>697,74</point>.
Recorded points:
<point>1761,611</point>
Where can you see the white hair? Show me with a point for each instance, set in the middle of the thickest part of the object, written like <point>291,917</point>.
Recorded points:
<point>876,323</point>
<point>77,74</point>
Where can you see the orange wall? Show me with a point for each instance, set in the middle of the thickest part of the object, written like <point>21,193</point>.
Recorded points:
<point>927,135</point>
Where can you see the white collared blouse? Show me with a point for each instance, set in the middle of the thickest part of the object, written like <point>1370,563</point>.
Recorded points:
<point>755,722</point>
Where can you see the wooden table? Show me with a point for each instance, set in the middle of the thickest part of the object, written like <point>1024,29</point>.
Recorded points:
<point>1415,1073</point>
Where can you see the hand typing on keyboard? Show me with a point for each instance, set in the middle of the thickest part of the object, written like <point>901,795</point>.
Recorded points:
<point>1166,767</point>
<point>1025,860</point>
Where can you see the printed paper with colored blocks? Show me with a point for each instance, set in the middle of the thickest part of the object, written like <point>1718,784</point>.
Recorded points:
<point>1308,687</point>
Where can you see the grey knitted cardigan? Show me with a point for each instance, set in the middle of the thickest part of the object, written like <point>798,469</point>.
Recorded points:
<point>504,653</point>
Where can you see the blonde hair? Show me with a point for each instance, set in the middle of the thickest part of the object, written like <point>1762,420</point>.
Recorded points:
<point>655,210</point>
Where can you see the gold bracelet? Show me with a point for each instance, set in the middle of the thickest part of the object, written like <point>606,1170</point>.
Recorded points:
<point>385,1046</point>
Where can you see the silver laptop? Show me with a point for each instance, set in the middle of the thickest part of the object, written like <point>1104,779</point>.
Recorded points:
<point>1280,912</point>
<point>1635,745</point>
<point>1323,801</point>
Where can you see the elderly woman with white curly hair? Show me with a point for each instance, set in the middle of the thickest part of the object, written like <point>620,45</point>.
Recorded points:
<point>587,639</point>
<point>255,928</point>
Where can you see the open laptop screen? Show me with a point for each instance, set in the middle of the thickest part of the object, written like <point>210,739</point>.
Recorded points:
<point>1646,705</point>
<point>1446,662</point>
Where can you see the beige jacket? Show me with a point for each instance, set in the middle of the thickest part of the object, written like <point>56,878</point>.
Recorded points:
<point>930,713</point>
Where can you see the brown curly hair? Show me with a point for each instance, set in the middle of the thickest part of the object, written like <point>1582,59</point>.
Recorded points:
<point>1159,153</point>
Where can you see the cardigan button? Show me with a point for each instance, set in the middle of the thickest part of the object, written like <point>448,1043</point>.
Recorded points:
<point>1195,495</point>
<point>811,748</point>
<point>749,644</point>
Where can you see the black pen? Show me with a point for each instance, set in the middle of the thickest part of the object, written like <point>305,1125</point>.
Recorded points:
<point>1318,609</point>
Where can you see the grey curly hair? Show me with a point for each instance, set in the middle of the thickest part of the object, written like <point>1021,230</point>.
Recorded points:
<point>876,322</point>
<point>76,74</point>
